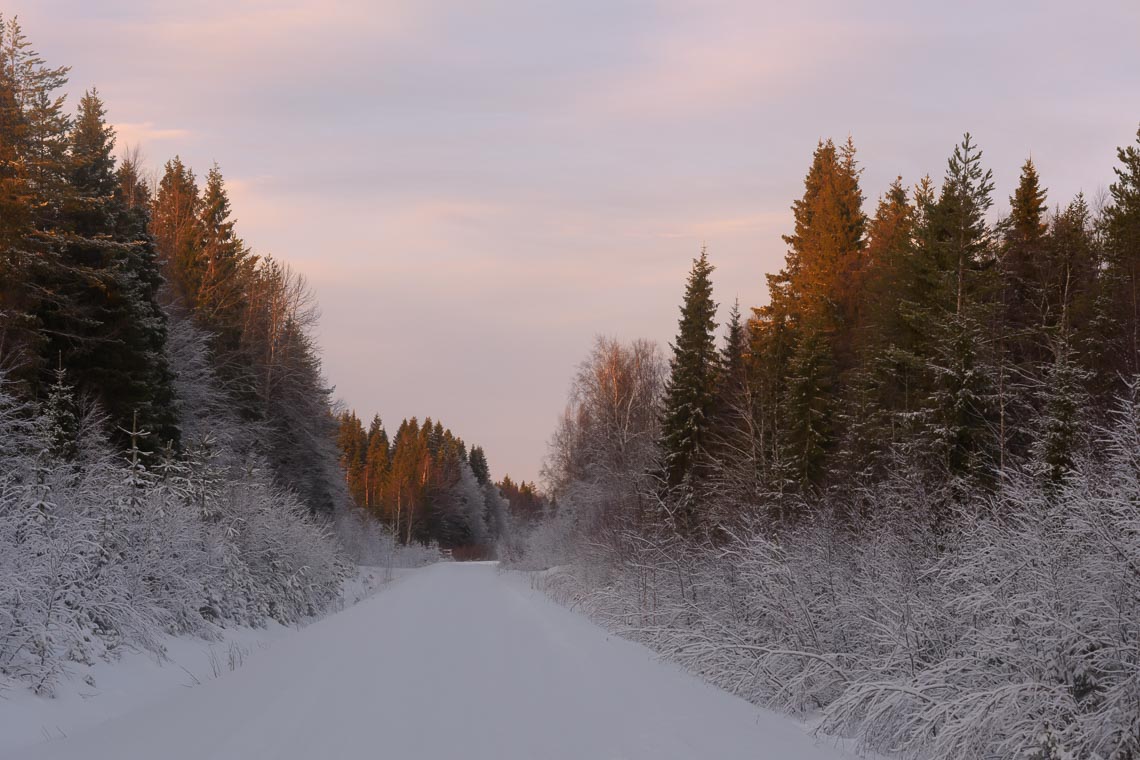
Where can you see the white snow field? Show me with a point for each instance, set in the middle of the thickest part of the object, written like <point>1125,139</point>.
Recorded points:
<point>451,661</point>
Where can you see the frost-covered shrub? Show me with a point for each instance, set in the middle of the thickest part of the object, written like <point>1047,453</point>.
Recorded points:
<point>1010,630</point>
<point>100,550</point>
<point>292,566</point>
<point>369,542</point>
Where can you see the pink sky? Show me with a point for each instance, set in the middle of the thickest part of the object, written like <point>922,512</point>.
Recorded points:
<point>476,189</point>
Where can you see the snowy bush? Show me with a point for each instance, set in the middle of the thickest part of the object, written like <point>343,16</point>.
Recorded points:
<point>99,549</point>
<point>369,542</point>
<point>1010,630</point>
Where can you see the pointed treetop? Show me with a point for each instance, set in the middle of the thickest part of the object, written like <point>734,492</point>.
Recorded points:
<point>1027,207</point>
<point>216,208</point>
<point>894,217</point>
<point>735,344</point>
<point>825,250</point>
<point>92,148</point>
<point>698,311</point>
<point>376,427</point>
<point>478,462</point>
<point>691,388</point>
<point>969,185</point>
<point>1126,190</point>
<point>134,191</point>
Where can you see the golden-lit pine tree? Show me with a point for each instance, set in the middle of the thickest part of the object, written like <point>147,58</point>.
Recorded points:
<point>826,249</point>
<point>352,442</point>
<point>177,230</point>
<point>806,332</point>
<point>224,263</point>
<point>376,467</point>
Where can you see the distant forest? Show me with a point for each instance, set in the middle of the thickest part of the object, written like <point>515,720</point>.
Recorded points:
<point>426,486</point>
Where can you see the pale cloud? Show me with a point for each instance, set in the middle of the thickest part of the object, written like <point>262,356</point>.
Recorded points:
<point>144,133</point>
<point>221,33</point>
<point>721,226</point>
<point>700,63</point>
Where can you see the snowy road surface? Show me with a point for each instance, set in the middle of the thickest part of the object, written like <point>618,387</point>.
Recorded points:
<point>452,661</point>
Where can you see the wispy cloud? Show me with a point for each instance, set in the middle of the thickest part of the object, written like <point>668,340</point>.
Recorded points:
<point>700,64</point>
<point>130,134</point>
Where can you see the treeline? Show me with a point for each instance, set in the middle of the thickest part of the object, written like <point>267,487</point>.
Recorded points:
<point>927,333</point>
<point>904,492</point>
<point>921,335</point>
<point>424,484</point>
<point>95,265</point>
<point>167,451</point>
<point>258,315</point>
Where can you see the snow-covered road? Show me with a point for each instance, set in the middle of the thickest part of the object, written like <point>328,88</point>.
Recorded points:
<point>451,661</point>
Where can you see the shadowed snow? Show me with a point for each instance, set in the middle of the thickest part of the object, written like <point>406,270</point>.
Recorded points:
<point>454,660</point>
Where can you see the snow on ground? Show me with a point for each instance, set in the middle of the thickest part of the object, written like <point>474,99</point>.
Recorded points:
<point>107,690</point>
<point>454,660</point>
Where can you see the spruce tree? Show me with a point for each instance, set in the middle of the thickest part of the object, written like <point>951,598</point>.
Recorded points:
<point>79,281</point>
<point>734,448</point>
<point>814,314</point>
<point>886,272</point>
<point>964,405</point>
<point>92,161</point>
<point>1022,258</point>
<point>353,443</point>
<point>732,404</point>
<point>690,394</point>
<point>1121,276</point>
<point>60,418</point>
<point>113,333</point>
<point>33,178</point>
<point>478,461</point>
<point>15,194</point>
<point>1075,301</point>
<point>825,256</point>
<point>733,359</point>
<point>809,406</point>
<point>1026,222</point>
<point>406,481</point>
<point>772,337</point>
<point>176,227</point>
<point>1069,272</point>
<point>225,263</point>
<point>376,465</point>
<point>1060,429</point>
<point>877,389</point>
<point>44,143</point>
<point>17,333</point>
<point>961,423</point>
<point>1019,320</point>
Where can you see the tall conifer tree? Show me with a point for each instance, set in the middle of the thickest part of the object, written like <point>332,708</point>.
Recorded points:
<point>690,394</point>
<point>225,262</point>
<point>176,227</point>
<point>1023,253</point>
<point>376,466</point>
<point>131,366</point>
<point>1122,271</point>
<point>33,179</point>
<point>824,266</point>
<point>965,401</point>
